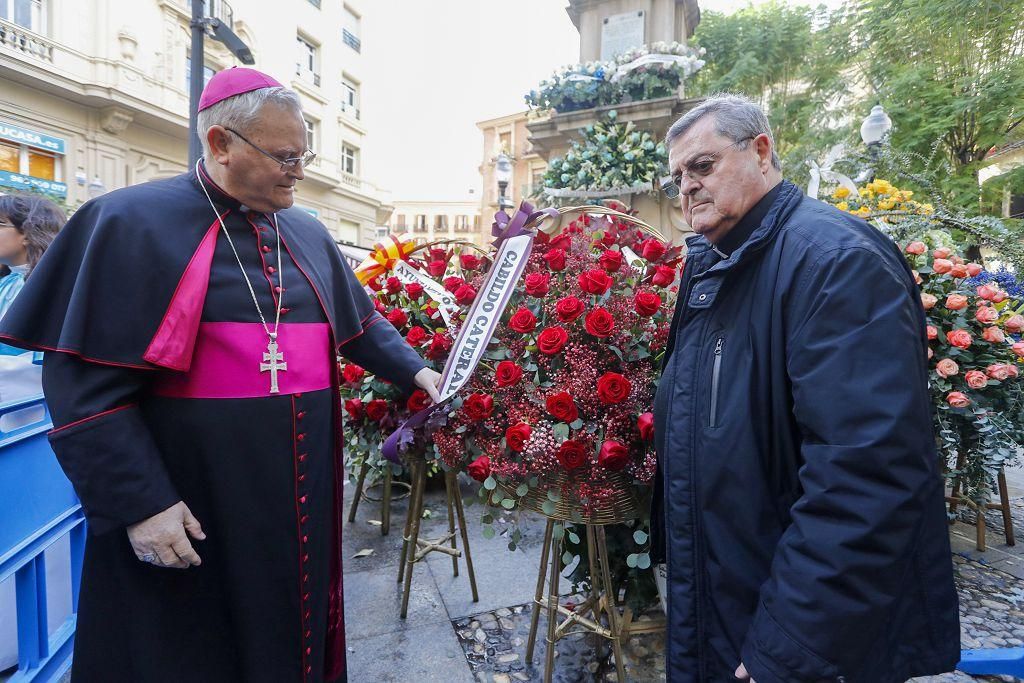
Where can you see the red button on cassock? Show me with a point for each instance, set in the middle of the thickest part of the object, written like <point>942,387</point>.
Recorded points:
<point>305,558</point>
<point>302,477</point>
<point>305,518</point>
<point>302,458</point>
<point>303,500</point>
<point>271,269</point>
<point>301,414</point>
<point>266,249</point>
<point>300,437</point>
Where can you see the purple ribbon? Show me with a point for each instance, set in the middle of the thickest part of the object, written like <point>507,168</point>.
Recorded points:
<point>503,228</point>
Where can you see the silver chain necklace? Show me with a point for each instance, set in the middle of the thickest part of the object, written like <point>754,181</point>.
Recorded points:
<point>273,358</point>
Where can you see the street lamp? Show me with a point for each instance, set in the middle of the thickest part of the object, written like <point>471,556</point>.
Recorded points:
<point>503,174</point>
<point>873,130</point>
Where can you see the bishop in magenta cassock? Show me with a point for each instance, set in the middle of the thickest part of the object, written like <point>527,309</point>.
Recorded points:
<point>191,328</point>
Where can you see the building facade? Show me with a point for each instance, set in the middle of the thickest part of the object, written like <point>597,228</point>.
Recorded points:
<point>429,221</point>
<point>609,27</point>
<point>94,96</point>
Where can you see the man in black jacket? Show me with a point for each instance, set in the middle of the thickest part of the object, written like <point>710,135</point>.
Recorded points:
<point>800,504</point>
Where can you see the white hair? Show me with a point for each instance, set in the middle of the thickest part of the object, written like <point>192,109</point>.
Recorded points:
<point>241,111</point>
<point>736,118</point>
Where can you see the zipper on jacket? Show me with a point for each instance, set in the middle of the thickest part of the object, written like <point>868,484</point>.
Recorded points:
<point>715,378</point>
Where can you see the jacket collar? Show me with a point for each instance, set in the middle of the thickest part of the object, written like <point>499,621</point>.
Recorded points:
<point>201,179</point>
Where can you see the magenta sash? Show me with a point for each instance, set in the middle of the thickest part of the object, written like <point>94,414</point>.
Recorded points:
<point>227,357</point>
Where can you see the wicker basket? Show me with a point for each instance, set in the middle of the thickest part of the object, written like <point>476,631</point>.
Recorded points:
<point>623,506</point>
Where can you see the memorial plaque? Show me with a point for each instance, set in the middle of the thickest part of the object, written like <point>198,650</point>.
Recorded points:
<point>621,32</point>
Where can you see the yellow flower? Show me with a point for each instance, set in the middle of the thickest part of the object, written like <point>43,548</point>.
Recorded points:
<point>927,209</point>
<point>886,204</point>
<point>862,211</point>
<point>866,192</point>
<point>843,206</point>
<point>841,192</point>
<point>880,187</point>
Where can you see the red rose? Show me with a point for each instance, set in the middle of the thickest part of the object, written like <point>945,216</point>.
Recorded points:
<point>416,336</point>
<point>572,454</point>
<point>437,254</point>
<point>507,373</point>
<point>381,308</point>
<point>613,388</point>
<point>376,409</point>
<point>563,242</point>
<point>608,238</point>
<point>353,374</point>
<point>538,284</point>
<point>437,268</point>
<point>354,408</point>
<point>611,260</point>
<point>522,321</point>
<point>480,468</point>
<point>645,423</point>
<point>569,308</point>
<point>595,281</point>
<point>646,303</point>
<point>398,318</point>
<point>453,282</point>
<point>552,340</point>
<point>663,276</point>
<point>555,258</point>
<point>393,285</point>
<point>439,346</point>
<point>478,407</point>
<point>417,401</point>
<point>464,295</point>
<point>375,284</point>
<point>959,338</point>
<point>613,456</point>
<point>562,407</point>
<point>652,249</point>
<point>469,261</point>
<point>517,436</point>
<point>600,323</point>
<point>414,290</point>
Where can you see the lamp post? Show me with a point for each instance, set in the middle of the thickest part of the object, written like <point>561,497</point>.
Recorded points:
<point>202,25</point>
<point>873,130</point>
<point>503,174</point>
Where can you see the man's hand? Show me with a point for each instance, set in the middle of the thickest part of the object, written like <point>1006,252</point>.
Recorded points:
<point>741,674</point>
<point>428,380</point>
<point>161,540</point>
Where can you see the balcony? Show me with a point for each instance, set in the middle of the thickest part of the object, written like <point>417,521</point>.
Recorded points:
<point>351,110</point>
<point>29,44</point>
<point>351,40</point>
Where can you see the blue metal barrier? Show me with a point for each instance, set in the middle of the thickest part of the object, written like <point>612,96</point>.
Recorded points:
<point>37,508</point>
<point>1004,660</point>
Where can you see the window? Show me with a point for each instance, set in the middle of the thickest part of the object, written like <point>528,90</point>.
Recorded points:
<point>31,160</point>
<point>348,232</point>
<point>350,159</point>
<point>420,223</point>
<point>10,158</point>
<point>462,224</point>
<point>476,223</point>
<point>350,31</point>
<point>381,232</point>
<point>441,223</point>
<point>400,221</point>
<point>311,130</point>
<point>306,64</point>
<point>25,13</point>
<point>207,71</point>
<point>505,142</point>
<point>350,97</point>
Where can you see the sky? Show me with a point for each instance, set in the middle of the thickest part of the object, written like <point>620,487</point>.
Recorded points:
<point>432,70</point>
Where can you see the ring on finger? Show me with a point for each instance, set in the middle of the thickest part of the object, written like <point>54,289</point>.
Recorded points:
<point>151,558</point>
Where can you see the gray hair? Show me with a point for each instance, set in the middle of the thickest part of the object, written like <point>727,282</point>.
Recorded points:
<point>736,118</point>
<point>241,111</point>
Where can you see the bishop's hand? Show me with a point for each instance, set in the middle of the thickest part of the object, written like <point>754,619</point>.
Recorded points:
<point>162,539</point>
<point>428,380</point>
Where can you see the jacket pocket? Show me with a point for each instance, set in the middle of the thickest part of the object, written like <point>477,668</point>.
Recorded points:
<point>716,378</point>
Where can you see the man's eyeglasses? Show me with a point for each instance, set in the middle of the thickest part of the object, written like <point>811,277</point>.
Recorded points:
<point>288,164</point>
<point>702,167</point>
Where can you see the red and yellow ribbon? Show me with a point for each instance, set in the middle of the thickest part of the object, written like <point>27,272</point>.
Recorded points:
<point>385,254</point>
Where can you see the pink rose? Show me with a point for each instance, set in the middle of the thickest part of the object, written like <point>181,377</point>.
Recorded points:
<point>973,269</point>
<point>959,338</point>
<point>958,270</point>
<point>946,367</point>
<point>916,248</point>
<point>986,315</point>
<point>942,266</point>
<point>1011,370</point>
<point>958,399</point>
<point>998,371</point>
<point>942,252</point>
<point>928,301</point>
<point>976,379</point>
<point>955,302</point>
<point>987,291</point>
<point>993,335</point>
<point>933,332</point>
<point>999,297</point>
<point>1018,349</point>
<point>1015,323</point>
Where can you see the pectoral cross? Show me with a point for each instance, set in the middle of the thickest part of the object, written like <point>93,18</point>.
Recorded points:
<point>275,357</point>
